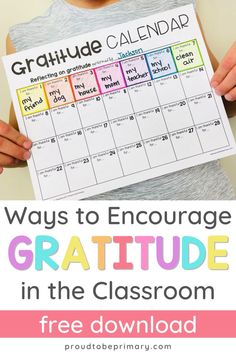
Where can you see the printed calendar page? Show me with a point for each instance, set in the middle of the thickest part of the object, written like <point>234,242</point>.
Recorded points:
<point>118,106</point>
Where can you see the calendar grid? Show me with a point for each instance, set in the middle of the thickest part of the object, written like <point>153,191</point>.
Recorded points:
<point>60,154</point>
<point>57,140</point>
<point>139,128</point>
<point>152,137</point>
<point>90,156</point>
<point>165,124</point>
<point>191,113</point>
<point>218,110</point>
<point>40,188</point>
<point>114,179</point>
<point>168,163</point>
<point>137,112</point>
<point>63,194</point>
<point>112,136</point>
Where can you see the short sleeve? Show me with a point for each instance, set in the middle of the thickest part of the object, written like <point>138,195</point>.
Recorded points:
<point>186,2</point>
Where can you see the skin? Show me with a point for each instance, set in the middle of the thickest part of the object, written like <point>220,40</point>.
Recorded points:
<point>15,147</point>
<point>91,4</point>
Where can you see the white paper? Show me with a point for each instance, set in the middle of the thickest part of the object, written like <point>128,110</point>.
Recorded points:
<point>118,106</point>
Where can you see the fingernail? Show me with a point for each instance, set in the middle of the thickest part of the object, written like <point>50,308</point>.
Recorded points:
<point>27,144</point>
<point>218,92</point>
<point>214,84</point>
<point>228,97</point>
<point>27,155</point>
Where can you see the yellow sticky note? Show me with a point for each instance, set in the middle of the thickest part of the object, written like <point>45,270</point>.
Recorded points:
<point>32,99</point>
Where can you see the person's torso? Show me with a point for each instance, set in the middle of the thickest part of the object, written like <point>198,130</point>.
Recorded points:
<point>63,20</point>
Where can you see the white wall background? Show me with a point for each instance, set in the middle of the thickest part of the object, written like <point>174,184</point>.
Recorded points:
<point>218,19</point>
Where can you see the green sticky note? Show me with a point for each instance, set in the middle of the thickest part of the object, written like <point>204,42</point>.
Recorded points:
<point>187,55</point>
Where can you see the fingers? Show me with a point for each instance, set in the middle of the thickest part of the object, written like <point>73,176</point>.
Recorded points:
<point>14,147</point>
<point>227,84</point>
<point>231,96</point>
<point>8,132</point>
<point>225,67</point>
<point>224,79</point>
<point>8,161</point>
<point>15,151</point>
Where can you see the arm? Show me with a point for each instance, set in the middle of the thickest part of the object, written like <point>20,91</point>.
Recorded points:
<point>224,79</point>
<point>14,147</point>
<point>10,49</point>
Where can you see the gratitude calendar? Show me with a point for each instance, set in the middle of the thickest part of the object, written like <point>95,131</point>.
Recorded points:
<point>118,106</point>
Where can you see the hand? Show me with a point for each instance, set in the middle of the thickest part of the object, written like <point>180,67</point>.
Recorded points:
<point>224,79</point>
<point>14,147</point>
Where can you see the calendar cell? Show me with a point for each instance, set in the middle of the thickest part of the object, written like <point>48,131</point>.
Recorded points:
<point>143,96</point>
<point>107,166</point>
<point>53,182</point>
<point>92,111</point>
<point>59,92</point>
<point>46,153</point>
<point>212,135</point>
<point>169,89</point>
<point>118,104</point>
<point>121,126</point>
<point>135,70</point>
<point>160,150</point>
<point>65,118</point>
<point>32,99</point>
<point>187,55</point>
<point>203,108</point>
<point>80,174</point>
<point>186,143</point>
<point>84,85</point>
<point>39,126</point>
<point>73,145</point>
<point>110,77</point>
<point>161,63</point>
<point>177,116</point>
<point>195,82</point>
<point>151,123</point>
<point>133,158</point>
<point>99,138</point>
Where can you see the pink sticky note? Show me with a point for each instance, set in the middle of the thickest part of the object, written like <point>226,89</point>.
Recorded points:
<point>110,77</point>
<point>135,70</point>
<point>85,85</point>
<point>59,92</point>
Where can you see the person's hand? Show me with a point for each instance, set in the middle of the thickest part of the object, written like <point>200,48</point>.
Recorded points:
<point>224,79</point>
<point>14,147</point>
